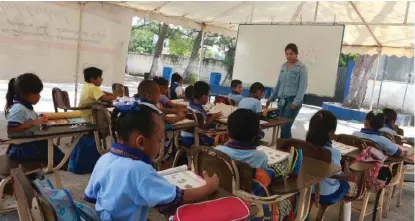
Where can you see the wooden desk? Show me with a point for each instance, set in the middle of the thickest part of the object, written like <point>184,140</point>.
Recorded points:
<point>275,124</point>
<point>50,134</point>
<point>318,168</point>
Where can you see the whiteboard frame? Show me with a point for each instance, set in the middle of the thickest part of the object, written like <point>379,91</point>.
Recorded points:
<point>296,24</point>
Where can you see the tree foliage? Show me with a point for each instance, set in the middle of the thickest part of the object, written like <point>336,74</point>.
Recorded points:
<point>180,46</point>
<point>346,58</point>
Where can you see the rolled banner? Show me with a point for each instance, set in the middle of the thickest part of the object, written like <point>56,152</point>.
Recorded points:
<point>61,115</point>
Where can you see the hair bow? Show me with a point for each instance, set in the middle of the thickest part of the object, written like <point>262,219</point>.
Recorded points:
<point>377,111</point>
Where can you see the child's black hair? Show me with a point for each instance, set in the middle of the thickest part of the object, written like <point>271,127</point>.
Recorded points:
<point>235,83</point>
<point>126,123</point>
<point>91,73</point>
<point>189,92</point>
<point>161,81</point>
<point>321,123</point>
<point>243,125</point>
<point>146,87</point>
<point>257,86</point>
<point>176,77</point>
<point>376,119</point>
<point>200,88</point>
<point>293,48</point>
<point>390,115</point>
<point>21,86</point>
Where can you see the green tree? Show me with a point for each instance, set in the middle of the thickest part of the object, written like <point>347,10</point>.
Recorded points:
<point>180,46</point>
<point>346,58</point>
<point>141,41</point>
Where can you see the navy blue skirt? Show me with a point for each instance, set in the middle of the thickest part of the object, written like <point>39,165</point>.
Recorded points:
<point>336,196</point>
<point>36,150</point>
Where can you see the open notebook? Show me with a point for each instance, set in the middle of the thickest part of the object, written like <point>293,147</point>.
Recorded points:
<point>343,148</point>
<point>274,156</point>
<point>226,110</point>
<point>182,177</point>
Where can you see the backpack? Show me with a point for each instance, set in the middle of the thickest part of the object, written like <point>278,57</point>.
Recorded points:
<point>65,207</point>
<point>84,156</point>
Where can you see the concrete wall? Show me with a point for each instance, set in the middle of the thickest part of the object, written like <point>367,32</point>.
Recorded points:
<point>140,63</point>
<point>392,95</point>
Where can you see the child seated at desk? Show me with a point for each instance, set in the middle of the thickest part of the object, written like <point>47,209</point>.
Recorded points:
<point>164,88</point>
<point>200,98</point>
<point>91,93</point>
<point>375,120</point>
<point>176,89</point>
<point>253,101</point>
<point>390,119</point>
<point>320,133</point>
<point>237,89</point>
<point>124,185</point>
<point>24,92</point>
<point>149,94</point>
<point>243,127</point>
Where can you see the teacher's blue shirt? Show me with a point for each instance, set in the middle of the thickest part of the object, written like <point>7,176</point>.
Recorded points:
<point>292,82</point>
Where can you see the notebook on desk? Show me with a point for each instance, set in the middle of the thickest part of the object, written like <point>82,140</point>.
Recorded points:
<point>184,121</point>
<point>343,148</point>
<point>182,177</point>
<point>226,110</point>
<point>274,156</point>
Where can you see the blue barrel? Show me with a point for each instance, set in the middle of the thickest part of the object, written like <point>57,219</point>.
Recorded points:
<point>215,78</point>
<point>167,73</point>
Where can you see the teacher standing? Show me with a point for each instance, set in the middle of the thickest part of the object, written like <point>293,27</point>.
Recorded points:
<point>290,89</point>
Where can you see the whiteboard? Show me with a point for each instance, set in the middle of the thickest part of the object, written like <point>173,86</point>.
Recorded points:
<point>260,54</point>
<point>42,38</point>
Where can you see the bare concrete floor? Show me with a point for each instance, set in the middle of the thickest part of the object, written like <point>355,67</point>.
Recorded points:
<point>76,183</point>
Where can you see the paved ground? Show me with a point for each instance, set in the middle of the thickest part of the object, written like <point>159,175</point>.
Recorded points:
<point>77,183</point>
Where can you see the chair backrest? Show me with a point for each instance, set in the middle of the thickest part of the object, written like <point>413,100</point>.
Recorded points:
<point>102,118</point>
<point>232,175</point>
<point>398,140</point>
<point>351,141</point>
<point>388,136</point>
<point>118,89</point>
<point>371,143</point>
<point>308,149</point>
<point>60,99</point>
<point>126,91</point>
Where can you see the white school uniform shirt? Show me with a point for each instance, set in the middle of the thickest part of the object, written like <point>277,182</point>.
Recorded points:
<point>253,157</point>
<point>387,146</point>
<point>125,189</point>
<point>235,97</point>
<point>251,103</point>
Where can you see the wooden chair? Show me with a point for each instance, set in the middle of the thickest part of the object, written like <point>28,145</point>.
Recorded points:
<point>31,206</point>
<point>120,90</point>
<point>388,136</point>
<point>234,176</point>
<point>398,140</point>
<point>61,101</point>
<point>102,117</point>
<point>6,165</point>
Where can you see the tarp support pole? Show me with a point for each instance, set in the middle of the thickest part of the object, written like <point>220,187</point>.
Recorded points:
<point>78,51</point>
<point>374,79</point>
<point>201,54</point>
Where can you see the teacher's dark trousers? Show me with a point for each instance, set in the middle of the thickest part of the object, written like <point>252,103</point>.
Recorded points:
<point>287,112</point>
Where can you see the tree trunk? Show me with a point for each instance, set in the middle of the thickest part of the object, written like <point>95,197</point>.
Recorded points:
<point>159,49</point>
<point>193,56</point>
<point>358,84</point>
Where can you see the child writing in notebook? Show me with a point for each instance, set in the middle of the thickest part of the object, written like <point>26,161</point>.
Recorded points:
<point>375,120</point>
<point>24,92</point>
<point>200,98</point>
<point>320,133</point>
<point>124,185</point>
<point>237,89</point>
<point>176,89</point>
<point>149,94</point>
<point>91,93</point>
<point>164,88</point>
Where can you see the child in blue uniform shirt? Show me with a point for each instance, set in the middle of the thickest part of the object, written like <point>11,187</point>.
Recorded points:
<point>243,127</point>
<point>200,98</point>
<point>375,120</point>
<point>253,101</point>
<point>321,130</point>
<point>24,92</point>
<point>124,185</point>
<point>237,89</point>
<point>176,89</point>
<point>390,119</point>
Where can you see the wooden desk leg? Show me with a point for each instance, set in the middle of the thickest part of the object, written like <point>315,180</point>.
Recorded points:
<point>304,204</point>
<point>68,154</point>
<point>273,140</point>
<point>50,156</point>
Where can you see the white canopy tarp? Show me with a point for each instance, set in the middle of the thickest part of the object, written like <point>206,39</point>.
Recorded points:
<point>369,25</point>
